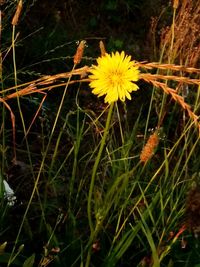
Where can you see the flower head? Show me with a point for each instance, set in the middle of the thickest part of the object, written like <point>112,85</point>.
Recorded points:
<point>114,76</point>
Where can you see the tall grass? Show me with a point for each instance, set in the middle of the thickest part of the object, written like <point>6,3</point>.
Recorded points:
<point>94,188</point>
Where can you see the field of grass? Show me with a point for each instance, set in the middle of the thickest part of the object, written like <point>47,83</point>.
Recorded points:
<point>85,182</point>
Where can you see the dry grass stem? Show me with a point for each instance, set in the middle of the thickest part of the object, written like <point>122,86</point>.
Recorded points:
<point>179,99</point>
<point>172,67</point>
<point>185,34</point>
<point>33,89</point>
<point>35,85</point>
<point>50,82</point>
<point>149,76</point>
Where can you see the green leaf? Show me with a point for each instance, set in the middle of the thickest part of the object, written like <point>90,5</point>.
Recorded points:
<point>30,261</point>
<point>2,248</point>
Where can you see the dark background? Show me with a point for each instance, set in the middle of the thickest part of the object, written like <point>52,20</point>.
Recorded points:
<point>49,30</point>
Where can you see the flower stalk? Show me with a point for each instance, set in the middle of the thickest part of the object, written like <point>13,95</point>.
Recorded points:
<point>94,231</point>
<point>95,167</point>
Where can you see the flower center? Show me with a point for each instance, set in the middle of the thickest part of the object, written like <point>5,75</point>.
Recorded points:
<point>115,78</point>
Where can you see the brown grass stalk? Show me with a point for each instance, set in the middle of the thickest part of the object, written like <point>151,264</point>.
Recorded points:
<point>34,86</point>
<point>187,80</point>
<point>179,99</point>
<point>185,34</point>
<point>53,81</point>
<point>172,67</point>
<point>33,89</point>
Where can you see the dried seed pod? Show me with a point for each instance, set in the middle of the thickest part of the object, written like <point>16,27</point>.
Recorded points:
<point>79,52</point>
<point>102,48</point>
<point>148,149</point>
<point>175,4</point>
<point>17,13</point>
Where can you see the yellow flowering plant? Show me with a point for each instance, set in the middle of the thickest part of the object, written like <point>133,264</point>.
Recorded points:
<point>113,76</point>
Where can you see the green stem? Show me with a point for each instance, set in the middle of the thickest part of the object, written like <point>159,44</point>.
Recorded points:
<point>77,143</point>
<point>171,59</point>
<point>95,167</point>
<point>39,172</point>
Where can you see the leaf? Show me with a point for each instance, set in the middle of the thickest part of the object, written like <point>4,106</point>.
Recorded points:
<point>30,261</point>
<point>2,248</point>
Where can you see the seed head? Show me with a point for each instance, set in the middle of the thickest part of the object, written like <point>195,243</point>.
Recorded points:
<point>102,48</point>
<point>79,52</point>
<point>17,13</point>
<point>148,149</point>
<point>175,4</point>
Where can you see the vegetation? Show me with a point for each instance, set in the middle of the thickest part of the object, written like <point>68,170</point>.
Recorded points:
<point>97,183</point>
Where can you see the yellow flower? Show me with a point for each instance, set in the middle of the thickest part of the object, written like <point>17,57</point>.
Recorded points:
<point>114,76</point>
